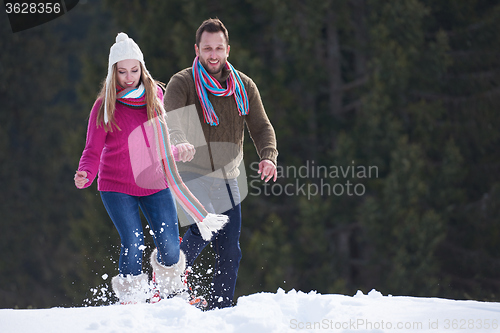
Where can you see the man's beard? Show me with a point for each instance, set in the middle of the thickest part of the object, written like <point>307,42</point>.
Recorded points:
<point>210,70</point>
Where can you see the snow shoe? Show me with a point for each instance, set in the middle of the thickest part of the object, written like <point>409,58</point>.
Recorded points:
<point>131,289</point>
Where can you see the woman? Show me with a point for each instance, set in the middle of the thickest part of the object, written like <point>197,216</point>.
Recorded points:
<point>131,100</point>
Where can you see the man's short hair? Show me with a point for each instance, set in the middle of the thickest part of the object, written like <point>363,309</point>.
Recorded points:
<point>211,25</point>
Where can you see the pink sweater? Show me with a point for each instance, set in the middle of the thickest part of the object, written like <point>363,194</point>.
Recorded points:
<point>107,153</point>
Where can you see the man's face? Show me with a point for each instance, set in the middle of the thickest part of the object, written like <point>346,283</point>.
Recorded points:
<point>213,52</point>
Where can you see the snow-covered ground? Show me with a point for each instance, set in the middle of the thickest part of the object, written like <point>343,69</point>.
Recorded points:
<point>267,312</point>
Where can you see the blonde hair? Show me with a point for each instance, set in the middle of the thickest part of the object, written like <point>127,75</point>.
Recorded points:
<point>108,95</point>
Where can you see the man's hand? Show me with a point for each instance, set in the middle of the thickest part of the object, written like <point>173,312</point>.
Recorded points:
<point>267,170</point>
<point>186,151</point>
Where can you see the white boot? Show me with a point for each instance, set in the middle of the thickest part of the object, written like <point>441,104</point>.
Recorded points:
<point>131,289</point>
<point>170,279</point>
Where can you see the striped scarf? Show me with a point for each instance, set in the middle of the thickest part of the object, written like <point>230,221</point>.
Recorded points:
<point>207,223</point>
<point>134,97</point>
<point>205,82</point>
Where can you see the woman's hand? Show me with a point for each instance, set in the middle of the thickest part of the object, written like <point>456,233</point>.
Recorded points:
<point>81,179</point>
<point>186,152</point>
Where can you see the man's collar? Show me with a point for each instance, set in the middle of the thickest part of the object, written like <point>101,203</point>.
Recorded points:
<point>224,74</point>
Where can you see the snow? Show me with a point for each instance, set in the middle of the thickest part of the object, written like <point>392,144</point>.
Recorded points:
<point>292,311</point>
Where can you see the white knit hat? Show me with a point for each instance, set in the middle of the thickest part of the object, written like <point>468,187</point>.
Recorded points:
<point>124,48</point>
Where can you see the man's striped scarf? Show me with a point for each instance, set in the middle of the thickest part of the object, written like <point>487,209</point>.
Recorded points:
<point>205,82</point>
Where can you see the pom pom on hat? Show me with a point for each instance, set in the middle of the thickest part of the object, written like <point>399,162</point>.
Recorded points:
<point>121,37</point>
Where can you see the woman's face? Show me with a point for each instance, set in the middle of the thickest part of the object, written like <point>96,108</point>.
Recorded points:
<point>128,73</point>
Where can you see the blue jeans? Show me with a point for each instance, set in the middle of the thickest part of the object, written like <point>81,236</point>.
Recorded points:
<point>226,243</point>
<point>161,214</point>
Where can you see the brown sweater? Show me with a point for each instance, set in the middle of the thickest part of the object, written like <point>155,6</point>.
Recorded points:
<point>221,145</point>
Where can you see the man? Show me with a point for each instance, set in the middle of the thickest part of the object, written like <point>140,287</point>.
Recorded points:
<point>225,100</point>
